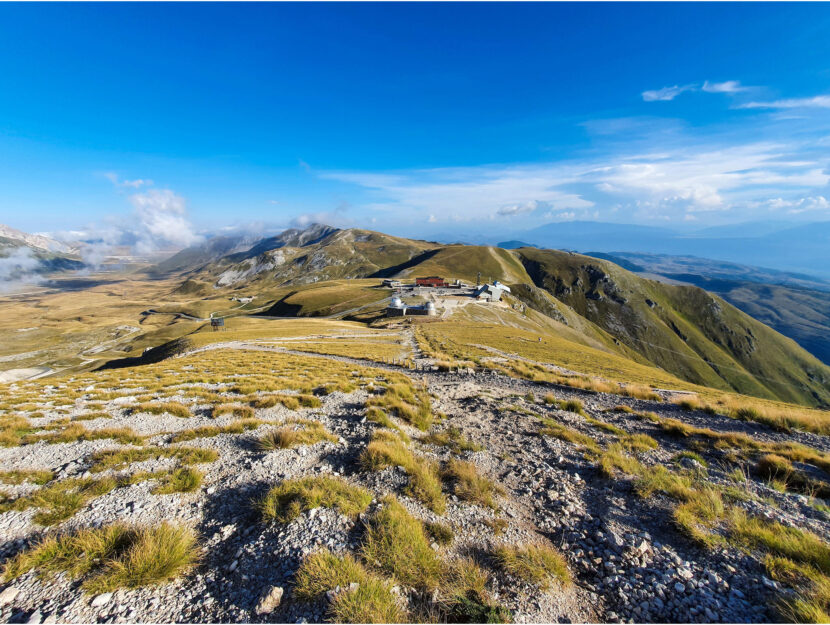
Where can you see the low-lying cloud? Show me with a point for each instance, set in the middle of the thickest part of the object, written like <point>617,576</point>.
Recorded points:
<point>19,268</point>
<point>158,221</point>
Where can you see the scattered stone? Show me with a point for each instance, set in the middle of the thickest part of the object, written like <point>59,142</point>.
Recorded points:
<point>8,595</point>
<point>269,600</point>
<point>101,600</point>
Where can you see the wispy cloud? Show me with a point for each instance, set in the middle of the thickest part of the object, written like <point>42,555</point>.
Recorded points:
<point>671,184</point>
<point>819,101</point>
<point>116,180</point>
<point>728,86</point>
<point>666,94</point>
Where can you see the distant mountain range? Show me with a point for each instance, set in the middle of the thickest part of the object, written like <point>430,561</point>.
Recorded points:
<point>804,248</point>
<point>25,258</point>
<point>17,238</point>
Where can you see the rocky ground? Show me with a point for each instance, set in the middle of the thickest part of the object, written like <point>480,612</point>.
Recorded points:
<point>630,562</point>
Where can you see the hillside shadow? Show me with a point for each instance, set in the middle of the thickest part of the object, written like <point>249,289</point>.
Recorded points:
<point>416,260</point>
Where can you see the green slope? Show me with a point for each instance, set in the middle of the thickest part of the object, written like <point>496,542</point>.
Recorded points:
<point>684,330</point>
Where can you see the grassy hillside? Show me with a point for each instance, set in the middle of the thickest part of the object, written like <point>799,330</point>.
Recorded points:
<point>801,314</point>
<point>464,262</point>
<point>795,305</point>
<point>590,304</point>
<point>684,330</point>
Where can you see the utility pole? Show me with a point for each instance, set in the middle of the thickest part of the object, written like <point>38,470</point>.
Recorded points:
<point>478,279</point>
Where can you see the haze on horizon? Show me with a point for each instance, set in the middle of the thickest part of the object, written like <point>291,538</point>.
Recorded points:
<point>422,120</point>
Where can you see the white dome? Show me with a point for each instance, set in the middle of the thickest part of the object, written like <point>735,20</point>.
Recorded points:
<point>430,306</point>
<point>396,303</point>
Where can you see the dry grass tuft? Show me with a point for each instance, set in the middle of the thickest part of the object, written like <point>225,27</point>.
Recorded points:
<point>396,544</point>
<point>182,480</point>
<point>537,564</point>
<point>237,410</point>
<point>303,433</point>
<point>177,409</point>
<point>570,435</point>
<point>73,432</point>
<point>120,458</point>
<point>469,484</point>
<point>113,556</point>
<point>452,438</point>
<point>441,533</point>
<point>286,501</point>
<point>208,431</point>
<point>20,476</point>
<point>372,601</point>
<point>387,449</point>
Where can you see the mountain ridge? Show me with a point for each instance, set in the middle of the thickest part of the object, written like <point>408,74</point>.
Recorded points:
<point>684,330</point>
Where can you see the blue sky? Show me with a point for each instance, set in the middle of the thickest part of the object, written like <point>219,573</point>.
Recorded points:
<point>411,118</point>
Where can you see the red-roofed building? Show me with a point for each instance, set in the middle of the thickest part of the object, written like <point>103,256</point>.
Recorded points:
<point>431,281</point>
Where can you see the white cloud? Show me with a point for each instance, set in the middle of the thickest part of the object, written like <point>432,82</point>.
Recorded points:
<point>728,86</point>
<point>800,205</point>
<point>129,184</point>
<point>522,208</point>
<point>18,269</point>
<point>465,194</point>
<point>819,101</point>
<point>670,184</point>
<point>666,94</point>
<point>162,221</point>
<point>158,221</point>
